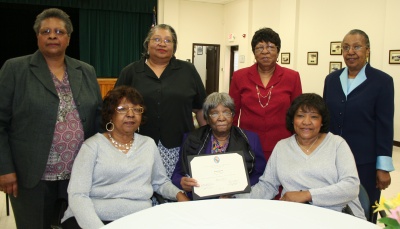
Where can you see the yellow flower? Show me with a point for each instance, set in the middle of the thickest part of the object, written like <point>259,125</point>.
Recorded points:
<point>392,207</point>
<point>381,205</point>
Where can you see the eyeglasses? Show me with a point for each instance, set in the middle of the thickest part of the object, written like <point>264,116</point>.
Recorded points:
<point>348,47</point>
<point>270,48</point>
<point>57,32</point>
<point>226,114</point>
<point>158,40</point>
<point>125,109</point>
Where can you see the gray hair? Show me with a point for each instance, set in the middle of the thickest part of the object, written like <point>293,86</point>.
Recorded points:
<point>360,32</point>
<point>53,13</point>
<point>215,99</point>
<point>145,54</point>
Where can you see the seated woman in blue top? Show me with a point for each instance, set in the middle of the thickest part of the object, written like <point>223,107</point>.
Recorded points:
<point>219,136</point>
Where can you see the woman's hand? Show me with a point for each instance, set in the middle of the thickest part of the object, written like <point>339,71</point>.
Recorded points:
<point>187,183</point>
<point>181,197</point>
<point>383,179</point>
<point>8,184</point>
<point>297,196</point>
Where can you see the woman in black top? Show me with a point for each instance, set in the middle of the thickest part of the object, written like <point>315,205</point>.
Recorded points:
<point>172,90</point>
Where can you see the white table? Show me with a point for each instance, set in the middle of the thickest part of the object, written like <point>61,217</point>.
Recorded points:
<point>238,213</point>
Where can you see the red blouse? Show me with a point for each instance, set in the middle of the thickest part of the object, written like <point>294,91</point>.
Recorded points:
<point>252,112</point>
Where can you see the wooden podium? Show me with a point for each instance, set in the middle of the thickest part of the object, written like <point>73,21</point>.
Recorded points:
<point>106,84</point>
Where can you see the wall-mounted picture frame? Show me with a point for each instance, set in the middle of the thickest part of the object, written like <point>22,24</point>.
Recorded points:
<point>312,58</point>
<point>334,66</point>
<point>285,58</point>
<point>394,56</point>
<point>199,50</point>
<point>336,48</point>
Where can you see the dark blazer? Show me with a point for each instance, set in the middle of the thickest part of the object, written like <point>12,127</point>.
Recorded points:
<point>28,112</point>
<point>365,118</point>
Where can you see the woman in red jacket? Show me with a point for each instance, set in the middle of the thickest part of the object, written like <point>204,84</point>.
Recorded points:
<point>264,91</point>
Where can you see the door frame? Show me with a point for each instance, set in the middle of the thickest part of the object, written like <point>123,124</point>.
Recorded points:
<point>217,64</point>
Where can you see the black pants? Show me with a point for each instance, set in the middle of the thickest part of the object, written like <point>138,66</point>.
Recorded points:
<point>34,207</point>
<point>367,174</point>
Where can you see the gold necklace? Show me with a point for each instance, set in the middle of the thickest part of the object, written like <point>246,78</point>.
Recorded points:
<point>267,95</point>
<point>307,150</point>
<point>125,147</point>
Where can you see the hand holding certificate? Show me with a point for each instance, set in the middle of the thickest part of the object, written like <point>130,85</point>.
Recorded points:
<point>219,174</point>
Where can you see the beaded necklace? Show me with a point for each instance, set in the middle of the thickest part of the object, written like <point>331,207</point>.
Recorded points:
<point>267,95</point>
<point>125,147</point>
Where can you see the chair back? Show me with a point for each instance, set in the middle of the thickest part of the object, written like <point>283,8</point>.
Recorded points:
<point>365,203</point>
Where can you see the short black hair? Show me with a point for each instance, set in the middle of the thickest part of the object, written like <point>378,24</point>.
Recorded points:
<point>53,13</point>
<point>362,33</point>
<point>308,101</point>
<point>266,35</point>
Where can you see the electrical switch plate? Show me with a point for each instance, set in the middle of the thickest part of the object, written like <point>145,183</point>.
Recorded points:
<point>241,58</point>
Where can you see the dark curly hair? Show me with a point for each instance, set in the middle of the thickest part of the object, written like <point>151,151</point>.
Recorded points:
<point>306,102</point>
<point>266,35</point>
<point>114,97</point>
<point>151,32</point>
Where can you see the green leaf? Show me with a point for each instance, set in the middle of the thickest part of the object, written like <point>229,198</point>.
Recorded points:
<point>390,223</point>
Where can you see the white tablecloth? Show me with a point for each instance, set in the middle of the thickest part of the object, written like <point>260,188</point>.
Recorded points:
<point>238,213</point>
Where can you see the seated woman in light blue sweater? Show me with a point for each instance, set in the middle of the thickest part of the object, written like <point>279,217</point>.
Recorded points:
<point>313,165</point>
<point>116,173</point>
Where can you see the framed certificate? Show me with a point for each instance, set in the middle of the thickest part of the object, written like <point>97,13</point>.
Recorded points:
<point>219,174</point>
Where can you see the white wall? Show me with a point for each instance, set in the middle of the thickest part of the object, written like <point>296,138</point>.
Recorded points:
<point>303,25</point>
<point>391,38</point>
<point>317,28</point>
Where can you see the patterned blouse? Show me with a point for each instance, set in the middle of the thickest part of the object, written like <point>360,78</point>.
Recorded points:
<point>68,134</point>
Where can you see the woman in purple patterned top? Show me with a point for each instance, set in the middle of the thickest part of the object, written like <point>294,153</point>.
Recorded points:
<point>49,105</point>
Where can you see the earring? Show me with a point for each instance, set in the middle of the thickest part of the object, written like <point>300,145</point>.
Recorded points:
<point>112,126</point>
<point>138,129</point>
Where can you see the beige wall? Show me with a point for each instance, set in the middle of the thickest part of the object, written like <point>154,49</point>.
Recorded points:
<point>303,25</point>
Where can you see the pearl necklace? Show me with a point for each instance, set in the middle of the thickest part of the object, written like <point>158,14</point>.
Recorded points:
<point>268,95</point>
<point>125,147</point>
<point>307,150</point>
